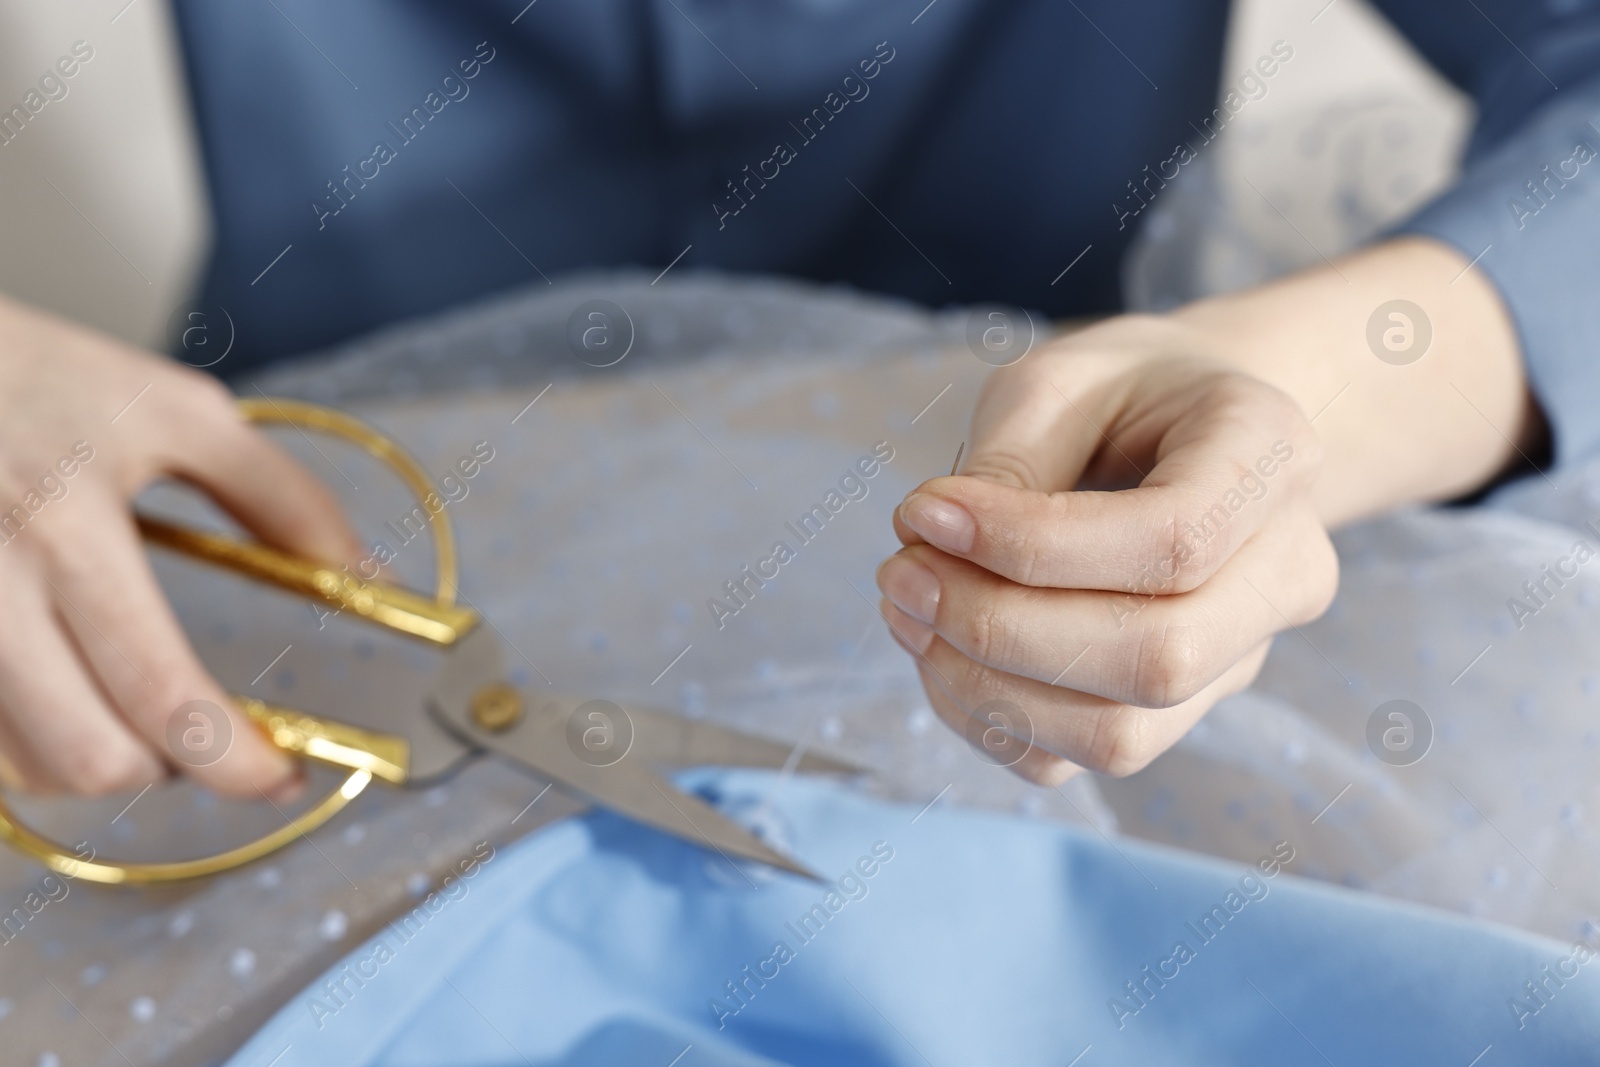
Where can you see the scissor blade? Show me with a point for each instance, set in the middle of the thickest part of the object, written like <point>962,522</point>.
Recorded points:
<point>627,787</point>
<point>661,738</point>
<point>540,741</point>
<point>665,739</point>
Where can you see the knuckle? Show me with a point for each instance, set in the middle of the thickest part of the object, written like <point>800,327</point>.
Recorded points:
<point>1121,744</point>
<point>1268,406</point>
<point>1260,409</point>
<point>1032,555</point>
<point>1169,667</point>
<point>1005,467</point>
<point>1252,402</point>
<point>175,684</point>
<point>1324,578</point>
<point>20,770</point>
<point>35,781</point>
<point>1237,400</point>
<point>966,675</point>
<point>1192,544</point>
<point>100,766</point>
<point>193,400</point>
<point>989,634</point>
<point>1048,771</point>
<point>205,393</point>
<point>73,549</point>
<point>1308,444</point>
<point>1304,447</point>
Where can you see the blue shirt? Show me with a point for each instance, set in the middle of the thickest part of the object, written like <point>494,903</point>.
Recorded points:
<point>372,161</point>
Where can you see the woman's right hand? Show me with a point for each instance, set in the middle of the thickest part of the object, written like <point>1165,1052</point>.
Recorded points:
<point>93,663</point>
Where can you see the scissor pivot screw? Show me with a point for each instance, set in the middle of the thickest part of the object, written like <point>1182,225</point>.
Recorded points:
<point>497,707</point>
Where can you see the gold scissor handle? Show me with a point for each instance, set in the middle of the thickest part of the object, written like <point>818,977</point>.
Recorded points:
<point>365,753</point>
<point>115,872</point>
<point>368,755</point>
<point>437,620</point>
<point>338,744</point>
<point>380,602</point>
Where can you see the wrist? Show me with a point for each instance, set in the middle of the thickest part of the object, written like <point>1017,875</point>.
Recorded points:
<point>1442,424</point>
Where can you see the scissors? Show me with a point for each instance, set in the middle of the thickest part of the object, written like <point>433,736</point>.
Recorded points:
<point>596,749</point>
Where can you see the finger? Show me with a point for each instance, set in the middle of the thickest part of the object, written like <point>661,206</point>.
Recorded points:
<point>58,732</point>
<point>1226,463</point>
<point>1027,434</point>
<point>1033,763</point>
<point>211,444</point>
<point>1144,648</point>
<point>19,767</point>
<point>110,603</point>
<point>11,775</point>
<point>1101,735</point>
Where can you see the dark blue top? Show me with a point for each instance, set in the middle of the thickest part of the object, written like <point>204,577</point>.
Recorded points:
<point>411,155</point>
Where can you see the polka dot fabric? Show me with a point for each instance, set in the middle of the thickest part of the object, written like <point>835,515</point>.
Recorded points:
<point>620,500</point>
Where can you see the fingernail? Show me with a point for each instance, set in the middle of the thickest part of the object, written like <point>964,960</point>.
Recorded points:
<point>940,522</point>
<point>911,635</point>
<point>912,588</point>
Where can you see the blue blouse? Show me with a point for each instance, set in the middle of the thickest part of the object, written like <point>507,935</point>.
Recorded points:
<point>373,161</point>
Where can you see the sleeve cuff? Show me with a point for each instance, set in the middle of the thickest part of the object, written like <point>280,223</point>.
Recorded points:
<point>1527,210</point>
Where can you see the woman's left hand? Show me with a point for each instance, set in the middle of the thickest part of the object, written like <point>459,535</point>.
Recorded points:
<point>1146,503</point>
<point>1132,527</point>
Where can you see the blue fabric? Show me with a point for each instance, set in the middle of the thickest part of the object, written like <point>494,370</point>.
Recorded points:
<point>958,938</point>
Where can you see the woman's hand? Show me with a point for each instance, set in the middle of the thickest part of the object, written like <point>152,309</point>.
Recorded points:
<point>1145,503</point>
<point>1107,620</point>
<point>93,664</point>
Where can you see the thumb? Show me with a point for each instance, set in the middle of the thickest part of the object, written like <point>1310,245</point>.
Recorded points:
<point>1030,434</point>
<point>1027,434</point>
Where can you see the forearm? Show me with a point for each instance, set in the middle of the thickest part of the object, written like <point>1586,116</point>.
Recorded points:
<point>1428,430</point>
